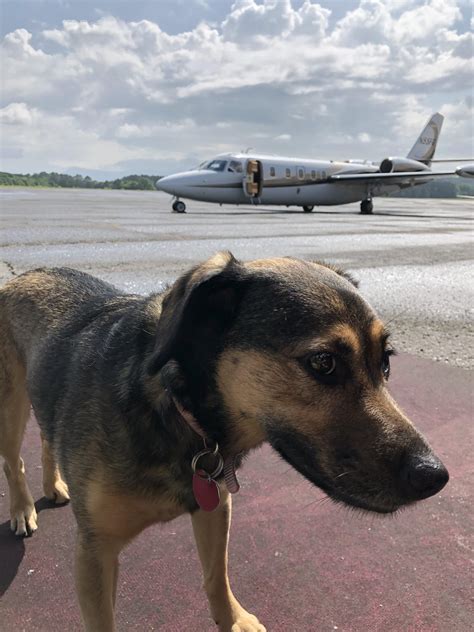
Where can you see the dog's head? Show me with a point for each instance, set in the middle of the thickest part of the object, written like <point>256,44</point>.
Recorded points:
<point>288,351</point>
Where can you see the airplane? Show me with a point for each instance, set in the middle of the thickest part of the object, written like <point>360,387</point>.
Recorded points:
<point>244,178</point>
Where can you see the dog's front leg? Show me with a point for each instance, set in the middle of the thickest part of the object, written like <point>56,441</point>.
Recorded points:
<point>211,530</point>
<point>96,581</point>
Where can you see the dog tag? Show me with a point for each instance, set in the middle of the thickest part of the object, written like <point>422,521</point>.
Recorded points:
<point>206,491</point>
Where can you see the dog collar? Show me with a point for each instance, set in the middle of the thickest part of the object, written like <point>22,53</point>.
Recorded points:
<point>230,475</point>
<point>190,419</point>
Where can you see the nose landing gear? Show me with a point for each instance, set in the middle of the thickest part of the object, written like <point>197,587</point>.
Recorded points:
<point>366,207</point>
<point>179,207</point>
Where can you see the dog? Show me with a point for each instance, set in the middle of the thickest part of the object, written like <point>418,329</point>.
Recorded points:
<point>148,405</point>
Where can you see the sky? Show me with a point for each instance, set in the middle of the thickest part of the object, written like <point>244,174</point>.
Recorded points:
<point>113,87</point>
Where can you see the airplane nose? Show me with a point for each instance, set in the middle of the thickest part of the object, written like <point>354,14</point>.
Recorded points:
<point>167,184</point>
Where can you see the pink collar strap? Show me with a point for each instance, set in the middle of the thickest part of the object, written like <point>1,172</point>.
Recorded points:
<point>190,419</point>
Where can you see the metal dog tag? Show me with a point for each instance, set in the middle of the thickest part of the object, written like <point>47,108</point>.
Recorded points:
<point>206,491</point>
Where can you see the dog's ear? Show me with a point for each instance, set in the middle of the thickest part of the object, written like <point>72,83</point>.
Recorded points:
<point>338,271</point>
<point>201,303</point>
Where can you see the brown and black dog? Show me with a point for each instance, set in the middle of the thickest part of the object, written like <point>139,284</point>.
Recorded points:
<point>125,388</point>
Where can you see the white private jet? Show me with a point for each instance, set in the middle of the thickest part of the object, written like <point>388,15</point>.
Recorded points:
<point>245,178</point>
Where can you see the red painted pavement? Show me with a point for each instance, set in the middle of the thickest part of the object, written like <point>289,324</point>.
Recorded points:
<point>301,565</point>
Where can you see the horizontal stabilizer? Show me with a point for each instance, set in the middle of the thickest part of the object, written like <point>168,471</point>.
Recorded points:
<point>455,160</point>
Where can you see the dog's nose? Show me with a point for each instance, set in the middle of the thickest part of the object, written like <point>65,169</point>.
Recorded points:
<point>423,475</point>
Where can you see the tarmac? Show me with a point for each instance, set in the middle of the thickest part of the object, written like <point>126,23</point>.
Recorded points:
<point>299,562</point>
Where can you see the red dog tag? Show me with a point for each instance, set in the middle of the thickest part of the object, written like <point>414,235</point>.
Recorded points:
<point>206,491</point>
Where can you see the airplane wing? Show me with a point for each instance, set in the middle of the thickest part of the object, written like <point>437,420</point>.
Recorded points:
<point>397,177</point>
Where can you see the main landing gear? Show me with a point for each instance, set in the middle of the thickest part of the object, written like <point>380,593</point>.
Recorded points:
<point>366,207</point>
<point>179,207</point>
<point>308,209</point>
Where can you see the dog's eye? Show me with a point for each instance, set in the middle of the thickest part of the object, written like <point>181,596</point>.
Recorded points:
<point>386,363</point>
<point>323,364</point>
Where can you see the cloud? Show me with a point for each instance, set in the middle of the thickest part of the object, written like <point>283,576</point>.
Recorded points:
<point>17,114</point>
<point>252,23</point>
<point>36,134</point>
<point>375,21</point>
<point>422,23</point>
<point>459,125</point>
<point>98,93</point>
<point>364,137</point>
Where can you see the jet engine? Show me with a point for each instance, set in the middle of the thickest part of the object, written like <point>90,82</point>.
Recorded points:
<point>466,171</point>
<point>391,165</point>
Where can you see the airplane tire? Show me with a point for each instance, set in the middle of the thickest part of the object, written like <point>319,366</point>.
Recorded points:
<point>308,209</point>
<point>179,207</point>
<point>366,207</point>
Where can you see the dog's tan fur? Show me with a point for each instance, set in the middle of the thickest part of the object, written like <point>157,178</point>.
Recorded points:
<point>14,413</point>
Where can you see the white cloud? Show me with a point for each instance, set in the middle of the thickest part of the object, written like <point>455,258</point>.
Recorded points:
<point>422,23</point>
<point>375,21</point>
<point>459,124</point>
<point>133,131</point>
<point>34,135</point>
<point>95,93</point>
<point>17,114</point>
<point>249,22</point>
<point>370,22</point>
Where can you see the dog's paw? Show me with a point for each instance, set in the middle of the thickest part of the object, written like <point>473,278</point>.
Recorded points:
<point>57,491</point>
<point>248,623</point>
<point>243,621</point>
<point>24,520</point>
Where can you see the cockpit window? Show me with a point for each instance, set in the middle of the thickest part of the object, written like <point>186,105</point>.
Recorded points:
<point>235,166</point>
<point>216,165</point>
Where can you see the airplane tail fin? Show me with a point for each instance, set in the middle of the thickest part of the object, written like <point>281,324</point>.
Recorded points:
<point>425,146</point>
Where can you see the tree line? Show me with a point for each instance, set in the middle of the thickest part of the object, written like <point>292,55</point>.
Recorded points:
<point>62,180</point>
<point>449,187</point>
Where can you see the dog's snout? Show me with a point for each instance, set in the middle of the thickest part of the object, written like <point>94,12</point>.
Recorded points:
<point>422,476</point>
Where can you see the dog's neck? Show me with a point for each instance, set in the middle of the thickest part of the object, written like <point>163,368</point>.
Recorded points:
<point>230,462</point>
<point>191,404</point>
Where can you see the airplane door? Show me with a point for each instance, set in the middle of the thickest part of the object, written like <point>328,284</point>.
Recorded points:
<point>253,179</point>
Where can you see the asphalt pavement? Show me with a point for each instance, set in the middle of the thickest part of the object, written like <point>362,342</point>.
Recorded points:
<point>413,257</point>
<point>301,563</point>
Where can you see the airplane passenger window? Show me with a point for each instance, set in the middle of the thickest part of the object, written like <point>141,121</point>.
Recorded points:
<point>313,175</point>
<point>300,174</point>
<point>217,165</point>
<point>288,173</point>
<point>235,165</point>
<point>272,171</point>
